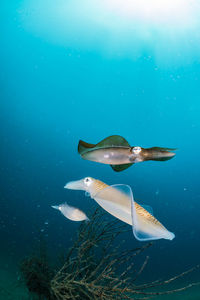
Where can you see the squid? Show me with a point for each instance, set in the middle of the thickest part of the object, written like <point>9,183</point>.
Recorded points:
<point>118,201</point>
<point>116,152</point>
<point>71,213</point>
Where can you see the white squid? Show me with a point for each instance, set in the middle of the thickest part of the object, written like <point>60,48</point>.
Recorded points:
<point>118,201</point>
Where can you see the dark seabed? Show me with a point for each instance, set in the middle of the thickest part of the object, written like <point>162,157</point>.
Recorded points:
<point>83,70</point>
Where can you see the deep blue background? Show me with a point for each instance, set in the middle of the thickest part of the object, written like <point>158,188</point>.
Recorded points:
<point>52,96</point>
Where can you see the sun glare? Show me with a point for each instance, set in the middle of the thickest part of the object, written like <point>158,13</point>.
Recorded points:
<point>151,11</point>
<point>119,27</point>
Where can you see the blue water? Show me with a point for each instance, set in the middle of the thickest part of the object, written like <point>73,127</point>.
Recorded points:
<point>54,93</point>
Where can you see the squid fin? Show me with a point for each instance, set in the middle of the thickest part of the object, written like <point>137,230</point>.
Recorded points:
<point>145,226</point>
<point>83,147</point>
<point>119,168</point>
<point>118,201</point>
<point>113,141</point>
<point>115,199</point>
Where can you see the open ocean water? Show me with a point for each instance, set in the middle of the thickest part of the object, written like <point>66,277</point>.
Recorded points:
<point>74,70</point>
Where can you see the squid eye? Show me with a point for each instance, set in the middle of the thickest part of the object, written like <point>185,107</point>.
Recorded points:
<point>87,180</point>
<point>136,150</point>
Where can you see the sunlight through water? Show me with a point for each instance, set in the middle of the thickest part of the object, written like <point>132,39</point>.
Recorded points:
<point>119,28</point>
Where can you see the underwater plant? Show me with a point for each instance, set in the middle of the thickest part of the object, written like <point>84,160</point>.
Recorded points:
<point>96,267</point>
<point>37,273</point>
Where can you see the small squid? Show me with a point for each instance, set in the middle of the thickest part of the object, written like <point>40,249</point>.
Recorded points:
<point>71,213</point>
<point>118,201</point>
<point>116,151</point>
